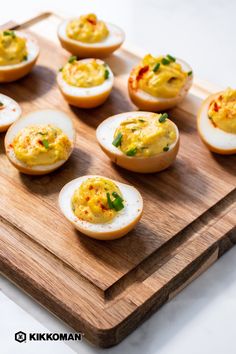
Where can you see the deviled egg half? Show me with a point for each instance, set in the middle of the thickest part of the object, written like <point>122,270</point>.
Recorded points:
<point>217,122</point>
<point>10,111</point>
<point>85,83</point>
<point>40,142</point>
<point>89,37</point>
<point>159,83</point>
<point>18,54</point>
<point>100,207</point>
<point>139,141</point>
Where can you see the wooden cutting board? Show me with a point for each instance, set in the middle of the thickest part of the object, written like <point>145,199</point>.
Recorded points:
<point>106,289</point>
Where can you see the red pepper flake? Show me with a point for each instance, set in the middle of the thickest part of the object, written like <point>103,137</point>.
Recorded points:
<point>92,21</point>
<point>87,199</point>
<point>13,109</point>
<point>10,146</point>
<point>90,187</point>
<point>216,107</point>
<point>220,98</point>
<point>86,211</point>
<point>141,72</point>
<point>40,142</point>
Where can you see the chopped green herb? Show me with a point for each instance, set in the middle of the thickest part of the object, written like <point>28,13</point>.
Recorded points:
<point>109,201</point>
<point>141,120</point>
<point>72,59</point>
<point>166,148</point>
<point>165,61</point>
<point>133,130</point>
<point>45,143</point>
<point>1,104</point>
<point>171,58</point>
<point>60,69</point>
<point>117,141</point>
<point>131,152</point>
<point>106,74</point>
<point>190,73</point>
<point>116,195</point>
<point>25,57</point>
<point>163,117</point>
<point>9,33</point>
<point>117,204</point>
<point>42,133</point>
<point>156,67</point>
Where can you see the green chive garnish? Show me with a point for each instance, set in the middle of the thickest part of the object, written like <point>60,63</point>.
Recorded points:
<point>117,141</point>
<point>190,73</point>
<point>116,195</point>
<point>25,57</point>
<point>72,59</point>
<point>45,143</point>
<point>156,67</point>
<point>1,104</point>
<point>109,201</point>
<point>60,69</point>
<point>163,117</point>
<point>117,204</point>
<point>42,133</point>
<point>131,152</point>
<point>166,148</point>
<point>9,33</point>
<point>141,120</point>
<point>106,74</point>
<point>165,61</point>
<point>171,58</point>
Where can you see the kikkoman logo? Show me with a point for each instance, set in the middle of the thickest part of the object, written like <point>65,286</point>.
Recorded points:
<point>23,337</point>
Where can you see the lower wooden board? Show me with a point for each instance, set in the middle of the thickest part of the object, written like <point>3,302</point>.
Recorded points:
<point>106,289</point>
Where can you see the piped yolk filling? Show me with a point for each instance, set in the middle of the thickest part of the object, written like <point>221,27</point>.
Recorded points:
<point>160,77</point>
<point>222,111</point>
<point>38,145</point>
<point>91,201</point>
<point>12,48</point>
<point>84,73</point>
<point>87,29</point>
<point>145,135</point>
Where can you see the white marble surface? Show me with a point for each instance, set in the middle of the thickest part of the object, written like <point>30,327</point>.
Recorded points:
<point>202,318</point>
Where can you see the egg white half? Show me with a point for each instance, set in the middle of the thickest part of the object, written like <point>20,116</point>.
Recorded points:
<point>9,112</point>
<point>116,36</point>
<point>86,91</point>
<point>44,117</point>
<point>132,211</point>
<point>106,130</point>
<point>217,139</point>
<point>32,52</point>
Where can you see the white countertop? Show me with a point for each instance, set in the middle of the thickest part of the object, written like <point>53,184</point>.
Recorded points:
<point>201,318</point>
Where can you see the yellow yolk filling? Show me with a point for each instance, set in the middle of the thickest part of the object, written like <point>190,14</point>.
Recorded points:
<point>12,48</point>
<point>222,111</point>
<point>41,145</point>
<point>146,136</point>
<point>158,79</point>
<point>90,202</point>
<point>84,73</point>
<point>87,29</point>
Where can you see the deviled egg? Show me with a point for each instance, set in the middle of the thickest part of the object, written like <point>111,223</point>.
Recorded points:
<point>18,54</point>
<point>100,207</point>
<point>139,141</point>
<point>159,83</point>
<point>10,111</point>
<point>40,142</point>
<point>85,83</point>
<point>217,122</point>
<point>89,37</point>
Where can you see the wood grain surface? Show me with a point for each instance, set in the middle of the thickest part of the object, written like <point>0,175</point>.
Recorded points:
<point>106,289</point>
